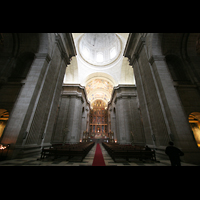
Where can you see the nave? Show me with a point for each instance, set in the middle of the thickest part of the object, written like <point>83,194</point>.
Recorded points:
<point>87,161</point>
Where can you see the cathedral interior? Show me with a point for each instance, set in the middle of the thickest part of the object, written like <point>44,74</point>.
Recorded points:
<point>115,88</point>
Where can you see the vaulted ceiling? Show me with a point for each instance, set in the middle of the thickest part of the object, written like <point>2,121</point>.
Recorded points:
<point>99,53</point>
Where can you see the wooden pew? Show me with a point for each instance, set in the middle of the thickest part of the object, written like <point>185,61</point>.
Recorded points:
<point>127,152</point>
<point>69,150</point>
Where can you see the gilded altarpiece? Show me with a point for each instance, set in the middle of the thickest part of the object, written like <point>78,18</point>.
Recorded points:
<point>99,120</point>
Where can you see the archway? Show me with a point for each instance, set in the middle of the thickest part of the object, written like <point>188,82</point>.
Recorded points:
<point>99,88</point>
<point>194,120</point>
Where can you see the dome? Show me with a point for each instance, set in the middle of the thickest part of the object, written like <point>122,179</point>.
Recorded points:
<point>99,48</point>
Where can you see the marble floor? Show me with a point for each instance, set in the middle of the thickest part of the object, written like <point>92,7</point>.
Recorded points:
<point>87,161</point>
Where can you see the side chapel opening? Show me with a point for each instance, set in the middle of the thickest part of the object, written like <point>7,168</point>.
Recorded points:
<point>4,116</point>
<point>194,120</point>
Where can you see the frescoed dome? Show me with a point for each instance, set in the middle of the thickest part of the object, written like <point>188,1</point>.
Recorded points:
<point>99,49</point>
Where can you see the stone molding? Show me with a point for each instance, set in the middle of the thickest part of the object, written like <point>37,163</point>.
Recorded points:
<point>122,94</point>
<point>64,54</point>
<point>138,49</point>
<point>75,93</point>
<point>139,46</point>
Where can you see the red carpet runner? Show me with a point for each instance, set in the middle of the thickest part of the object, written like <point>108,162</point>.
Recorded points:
<point>98,157</point>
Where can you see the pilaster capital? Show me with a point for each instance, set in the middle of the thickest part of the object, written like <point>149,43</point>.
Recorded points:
<point>43,56</point>
<point>156,58</point>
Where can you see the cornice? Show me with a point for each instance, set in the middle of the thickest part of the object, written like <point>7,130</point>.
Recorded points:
<point>130,45</point>
<point>119,93</point>
<point>76,93</point>
<point>138,49</point>
<point>70,43</point>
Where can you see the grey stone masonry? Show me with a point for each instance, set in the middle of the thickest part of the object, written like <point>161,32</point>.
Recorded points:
<point>72,116</point>
<point>125,115</point>
<point>31,122</point>
<point>162,111</point>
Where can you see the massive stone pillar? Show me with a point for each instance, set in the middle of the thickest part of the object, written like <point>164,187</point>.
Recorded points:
<point>126,115</point>
<point>31,121</point>
<point>15,131</point>
<point>173,111</point>
<point>73,114</point>
<point>163,115</point>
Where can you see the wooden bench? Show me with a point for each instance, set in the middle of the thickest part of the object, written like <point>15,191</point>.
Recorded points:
<point>69,150</point>
<point>123,151</point>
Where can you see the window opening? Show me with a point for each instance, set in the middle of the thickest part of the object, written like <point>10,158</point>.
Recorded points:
<point>99,57</point>
<point>113,53</point>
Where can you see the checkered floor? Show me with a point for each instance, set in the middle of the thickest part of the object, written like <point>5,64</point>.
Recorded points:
<point>87,161</point>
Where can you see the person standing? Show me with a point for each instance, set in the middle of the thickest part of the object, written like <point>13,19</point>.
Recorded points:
<point>174,154</point>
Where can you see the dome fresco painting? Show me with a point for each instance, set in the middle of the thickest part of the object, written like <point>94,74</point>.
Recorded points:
<point>100,49</point>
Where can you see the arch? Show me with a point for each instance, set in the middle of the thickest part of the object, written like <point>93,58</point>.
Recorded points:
<point>99,88</point>
<point>35,42</point>
<point>23,65</point>
<point>194,121</point>
<point>191,53</point>
<point>103,75</point>
<point>16,46</point>
<point>176,68</point>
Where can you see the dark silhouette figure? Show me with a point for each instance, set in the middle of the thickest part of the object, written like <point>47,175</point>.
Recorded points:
<point>174,154</point>
<point>147,148</point>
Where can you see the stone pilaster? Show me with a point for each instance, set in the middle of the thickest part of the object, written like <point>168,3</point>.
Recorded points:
<point>162,112</point>
<point>21,114</point>
<point>31,121</point>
